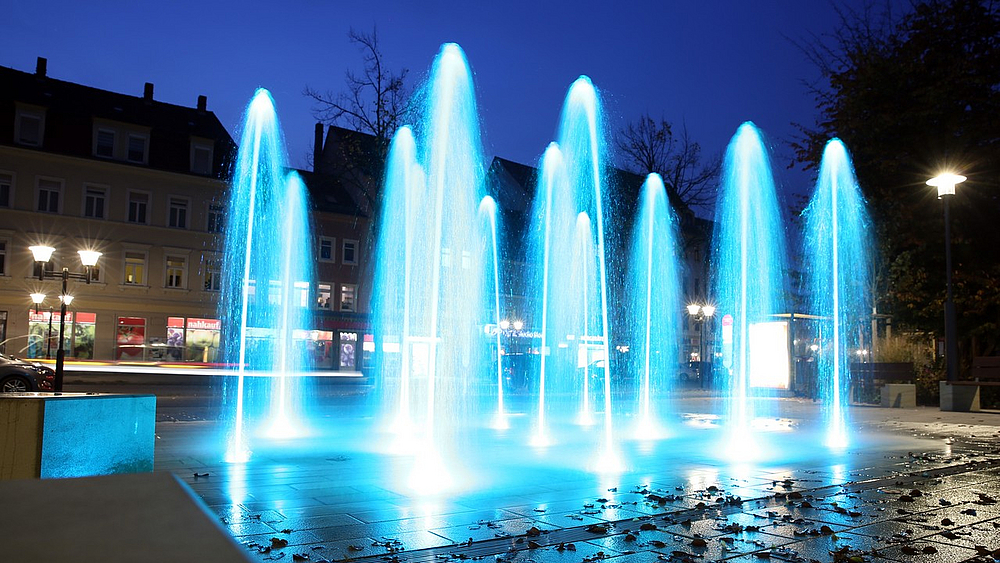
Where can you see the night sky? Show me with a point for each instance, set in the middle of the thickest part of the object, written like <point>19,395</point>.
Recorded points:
<point>711,64</point>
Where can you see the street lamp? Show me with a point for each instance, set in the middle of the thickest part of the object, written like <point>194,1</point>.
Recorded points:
<point>88,258</point>
<point>37,299</point>
<point>945,184</point>
<point>700,313</point>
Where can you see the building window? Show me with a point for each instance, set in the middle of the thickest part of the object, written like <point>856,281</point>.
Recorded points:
<point>215,219</point>
<point>350,252</point>
<point>301,296</point>
<point>348,296</point>
<point>324,294</point>
<point>178,213</point>
<point>326,246</point>
<point>50,268</point>
<point>3,257</point>
<point>201,158</point>
<point>105,143</point>
<point>138,207</point>
<point>6,188</point>
<point>49,195</point>
<point>175,271</point>
<point>93,202</point>
<point>95,273</point>
<point>136,148</point>
<point>213,275</point>
<point>29,128</point>
<point>135,268</point>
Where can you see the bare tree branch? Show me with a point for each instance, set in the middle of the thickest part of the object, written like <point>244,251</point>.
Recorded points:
<point>649,146</point>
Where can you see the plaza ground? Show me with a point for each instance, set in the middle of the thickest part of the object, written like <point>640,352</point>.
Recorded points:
<point>916,485</point>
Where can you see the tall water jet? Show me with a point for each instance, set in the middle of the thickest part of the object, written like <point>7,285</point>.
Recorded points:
<point>749,273</point>
<point>293,300</point>
<point>488,216</point>
<point>655,306</point>
<point>839,277</point>
<point>572,183</point>
<point>264,223</point>
<point>430,297</point>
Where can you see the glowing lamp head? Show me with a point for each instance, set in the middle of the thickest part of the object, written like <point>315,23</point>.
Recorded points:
<point>518,325</point>
<point>504,324</point>
<point>89,257</point>
<point>693,309</point>
<point>67,299</point>
<point>41,253</point>
<point>37,298</point>
<point>709,310</point>
<point>945,183</point>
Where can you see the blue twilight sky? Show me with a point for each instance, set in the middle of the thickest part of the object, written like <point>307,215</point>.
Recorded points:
<point>711,64</point>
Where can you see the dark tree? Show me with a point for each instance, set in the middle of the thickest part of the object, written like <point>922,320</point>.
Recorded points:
<point>913,95</point>
<point>375,102</point>
<point>648,146</point>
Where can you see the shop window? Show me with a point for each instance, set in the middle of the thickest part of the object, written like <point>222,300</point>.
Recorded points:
<point>136,149</point>
<point>138,207</point>
<point>78,339</point>
<point>350,252</point>
<point>135,268</point>
<point>104,144</point>
<point>348,349</point>
<point>49,195</point>
<point>326,246</point>
<point>6,189</point>
<point>94,201</point>
<point>130,338</point>
<point>215,220</point>
<point>178,213</point>
<point>347,297</point>
<point>3,257</point>
<point>324,294</point>
<point>175,271</point>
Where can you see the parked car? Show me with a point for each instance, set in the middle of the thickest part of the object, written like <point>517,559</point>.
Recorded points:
<point>19,376</point>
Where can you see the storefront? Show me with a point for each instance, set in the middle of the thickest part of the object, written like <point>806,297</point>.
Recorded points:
<point>130,339</point>
<point>347,336</point>
<point>78,337</point>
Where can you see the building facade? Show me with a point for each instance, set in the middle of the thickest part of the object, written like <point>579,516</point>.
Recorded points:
<point>144,183</point>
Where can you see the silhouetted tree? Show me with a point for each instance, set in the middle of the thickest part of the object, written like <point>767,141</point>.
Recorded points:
<point>912,95</point>
<point>374,102</point>
<point>648,146</point>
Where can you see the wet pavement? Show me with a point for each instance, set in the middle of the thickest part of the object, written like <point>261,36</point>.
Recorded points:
<point>918,485</point>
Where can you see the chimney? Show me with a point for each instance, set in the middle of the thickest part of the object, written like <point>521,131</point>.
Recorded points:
<point>318,147</point>
<point>202,103</point>
<point>41,66</point>
<point>147,92</point>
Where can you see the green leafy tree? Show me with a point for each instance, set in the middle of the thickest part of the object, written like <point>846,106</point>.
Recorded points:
<point>911,96</point>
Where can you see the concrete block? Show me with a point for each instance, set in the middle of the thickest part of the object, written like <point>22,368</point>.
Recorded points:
<point>75,434</point>
<point>899,395</point>
<point>147,517</point>
<point>959,398</point>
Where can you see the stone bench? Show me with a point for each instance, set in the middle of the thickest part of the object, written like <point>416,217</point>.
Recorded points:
<point>963,395</point>
<point>75,434</point>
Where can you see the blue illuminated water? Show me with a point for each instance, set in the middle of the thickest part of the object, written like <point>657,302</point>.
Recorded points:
<point>574,381</point>
<point>655,307</point>
<point>265,295</point>
<point>435,275</point>
<point>839,281</point>
<point>749,282</point>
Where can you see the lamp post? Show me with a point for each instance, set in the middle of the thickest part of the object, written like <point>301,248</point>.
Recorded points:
<point>945,184</point>
<point>88,258</point>
<point>700,313</point>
